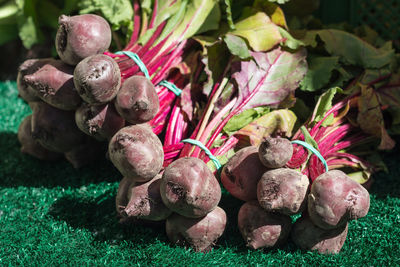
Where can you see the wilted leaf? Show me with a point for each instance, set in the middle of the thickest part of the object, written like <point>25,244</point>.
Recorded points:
<point>370,117</point>
<point>350,48</point>
<point>372,75</point>
<point>319,73</point>
<point>389,96</point>
<point>269,78</point>
<point>261,33</point>
<point>277,122</point>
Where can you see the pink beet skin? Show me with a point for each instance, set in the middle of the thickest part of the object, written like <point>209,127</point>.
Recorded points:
<point>136,152</point>
<point>275,152</point>
<point>100,122</point>
<point>200,234</point>
<point>262,229</point>
<point>97,79</point>
<point>145,201</point>
<point>283,190</point>
<point>189,188</point>
<point>82,36</point>
<point>53,83</point>
<point>335,199</point>
<point>121,200</point>
<point>308,236</point>
<point>137,100</point>
<point>28,67</point>
<point>242,173</point>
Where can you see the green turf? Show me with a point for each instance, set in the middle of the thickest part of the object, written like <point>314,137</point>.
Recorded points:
<point>51,214</point>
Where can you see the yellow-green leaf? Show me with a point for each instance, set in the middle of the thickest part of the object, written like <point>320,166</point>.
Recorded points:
<point>258,29</point>
<point>276,122</point>
<point>273,11</point>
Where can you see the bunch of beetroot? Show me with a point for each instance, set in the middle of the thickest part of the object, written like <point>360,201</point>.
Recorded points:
<point>185,194</point>
<point>274,192</point>
<point>78,101</point>
<point>83,103</point>
<point>92,100</point>
<point>56,98</point>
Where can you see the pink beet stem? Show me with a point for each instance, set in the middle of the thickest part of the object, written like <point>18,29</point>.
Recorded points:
<point>347,143</point>
<point>228,144</point>
<point>215,121</point>
<point>240,107</point>
<point>136,24</point>
<point>154,14</point>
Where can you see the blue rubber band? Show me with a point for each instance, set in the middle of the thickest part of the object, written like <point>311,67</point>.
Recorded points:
<point>313,150</point>
<point>208,152</point>
<point>172,87</point>
<point>137,60</point>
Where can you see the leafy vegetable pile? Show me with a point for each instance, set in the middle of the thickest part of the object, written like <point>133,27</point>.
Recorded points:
<point>197,84</point>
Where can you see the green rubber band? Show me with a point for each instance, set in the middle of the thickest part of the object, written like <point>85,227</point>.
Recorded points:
<point>208,152</point>
<point>172,87</point>
<point>137,60</point>
<point>313,150</point>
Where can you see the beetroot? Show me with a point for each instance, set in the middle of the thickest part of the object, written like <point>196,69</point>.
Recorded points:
<point>335,199</point>
<point>53,83</point>
<point>97,79</point>
<point>137,100</point>
<point>55,129</point>
<point>200,234</point>
<point>136,152</point>
<point>100,122</point>
<point>145,201</point>
<point>30,146</point>
<point>189,188</point>
<point>242,173</point>
<point>121,200</point>
<point>275,152</point>
<point>308,236</point>
<point>262,229</point>
<point>28,67</point>
<point>283,190</point>
<point>81,36</point>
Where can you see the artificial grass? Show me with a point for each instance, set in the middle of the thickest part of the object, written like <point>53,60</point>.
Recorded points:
<point>52,214</point>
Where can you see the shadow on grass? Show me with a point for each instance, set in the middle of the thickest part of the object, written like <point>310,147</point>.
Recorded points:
<point>99,217</point>
<point>17,169</point>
